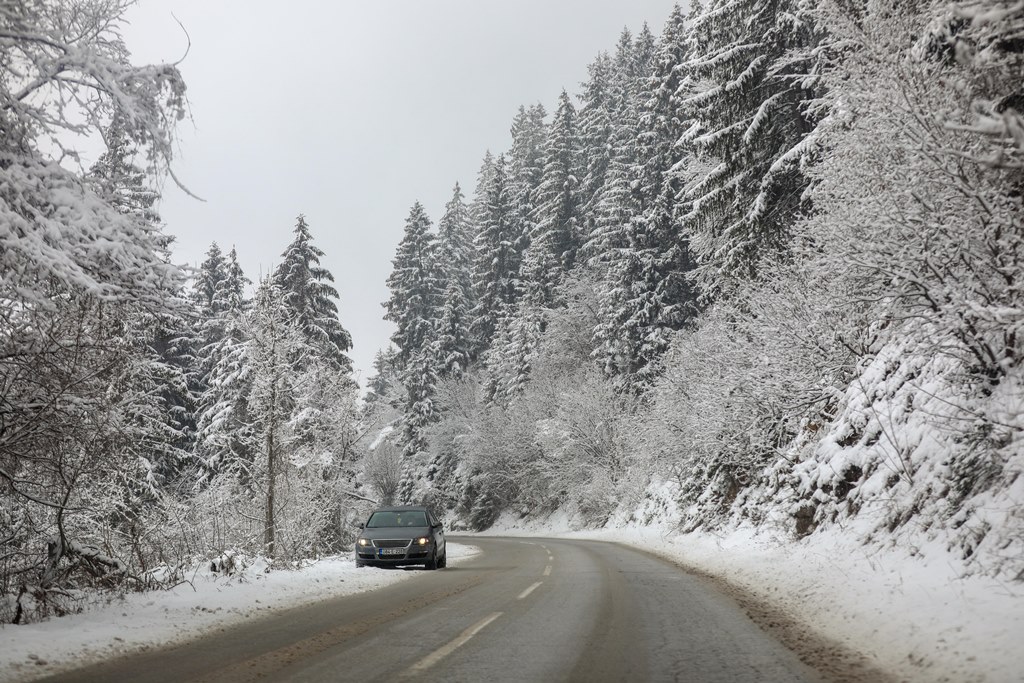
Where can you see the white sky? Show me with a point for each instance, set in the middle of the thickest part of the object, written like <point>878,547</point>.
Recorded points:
<point>349,112</point>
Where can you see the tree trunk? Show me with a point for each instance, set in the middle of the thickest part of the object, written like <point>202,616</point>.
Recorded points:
<point>268,536</point>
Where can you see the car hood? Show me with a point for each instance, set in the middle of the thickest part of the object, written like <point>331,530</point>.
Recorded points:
<point>395,532</point>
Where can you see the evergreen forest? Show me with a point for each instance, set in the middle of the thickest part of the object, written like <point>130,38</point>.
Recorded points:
<point>764,267</point>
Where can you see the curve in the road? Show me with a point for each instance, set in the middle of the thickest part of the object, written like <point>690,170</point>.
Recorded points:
<point>551,610</point>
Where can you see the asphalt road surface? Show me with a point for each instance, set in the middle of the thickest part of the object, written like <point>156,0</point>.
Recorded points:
<point>523,610</point>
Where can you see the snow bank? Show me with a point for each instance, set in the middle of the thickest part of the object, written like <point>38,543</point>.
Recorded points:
<point>209,601</point>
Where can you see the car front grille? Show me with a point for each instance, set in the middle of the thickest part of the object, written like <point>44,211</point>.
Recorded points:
<point>392,543</point>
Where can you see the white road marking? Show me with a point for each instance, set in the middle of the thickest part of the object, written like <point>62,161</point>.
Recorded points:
<point>547,570</point>
<point>442,652</point>
<point>529,590</point>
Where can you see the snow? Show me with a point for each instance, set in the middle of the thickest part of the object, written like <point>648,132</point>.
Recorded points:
<point>909,614</point>
<point>208,602</point>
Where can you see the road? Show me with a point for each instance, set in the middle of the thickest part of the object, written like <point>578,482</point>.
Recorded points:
<point>522,610</point>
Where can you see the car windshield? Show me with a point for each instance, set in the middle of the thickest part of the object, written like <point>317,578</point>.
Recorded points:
<point>394,518</point>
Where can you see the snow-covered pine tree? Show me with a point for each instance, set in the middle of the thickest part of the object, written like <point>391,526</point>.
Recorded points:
<point>549,252</point>
<point>556,239</point>
<point>455,265</point>
<point>117,179</point>
<point>510,359</point>
<point>224,440</point>
<point>752,69</point>
<point>454,345</point>
<point>612,210</point>
<point>478,205</point>
<point>498,257</point>
<point>207,309</point>
<point>526,167</point>
<point>647,293</point>
<point>313,299</point>
<point>211,274</point>
<point>595,137</point>
<point>420,381</point>
<point>415,287</point>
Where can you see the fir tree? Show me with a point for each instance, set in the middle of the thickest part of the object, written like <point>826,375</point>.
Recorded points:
<point>526,167</point>
<point>556,240</point>
<point>478,206</point>
<point>754,66</point>
<point>499,250</point>
<point>205,330</point>
<point>510,360</point>
<point>211,274</point>
<point>309,293</point>
<point>613,209</point>
<point>420,381</point>
<point>223,431</point>
<point>596,127</point>
<point>415,288</point>
<point>123,185</point>
<point>648,295</point>
<point>455,263</point>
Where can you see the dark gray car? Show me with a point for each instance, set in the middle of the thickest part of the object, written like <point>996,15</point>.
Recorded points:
<point>407,534</point>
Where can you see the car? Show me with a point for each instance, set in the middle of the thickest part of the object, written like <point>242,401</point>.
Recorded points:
<point>401,535</point>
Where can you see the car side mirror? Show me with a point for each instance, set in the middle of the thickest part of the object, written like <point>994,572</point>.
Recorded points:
<point>361,525</point>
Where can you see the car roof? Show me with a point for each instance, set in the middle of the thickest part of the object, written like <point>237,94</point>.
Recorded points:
<point>401,508</point>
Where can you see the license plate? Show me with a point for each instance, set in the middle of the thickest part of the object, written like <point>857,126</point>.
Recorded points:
<point>392,551</point>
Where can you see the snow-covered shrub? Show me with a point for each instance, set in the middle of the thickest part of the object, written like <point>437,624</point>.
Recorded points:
<point>738,389</point>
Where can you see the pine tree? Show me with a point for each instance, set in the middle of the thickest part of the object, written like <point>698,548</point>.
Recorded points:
<point>613,209</point>
<point>211,274</point>
<point>420,381</point>
<point>556,238</point>
<point>596,128</point>
<point>647,293</point>
<point>477,207</point>
<point>205,331</point>
<point>309,293</point>
<point>526,168</point>
<point>753,61</point>
<point>499,250</point>
<point>454,344</point>
<point>516,342</point>
<point>223,430</point>
<point>455,263</point>
<point>415,288</point>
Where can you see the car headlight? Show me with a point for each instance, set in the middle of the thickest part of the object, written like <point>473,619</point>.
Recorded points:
<point>363,542</point>
<point>422,541</point>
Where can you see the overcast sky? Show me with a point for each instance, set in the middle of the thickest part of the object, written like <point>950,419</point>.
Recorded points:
<point>349,112</point>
